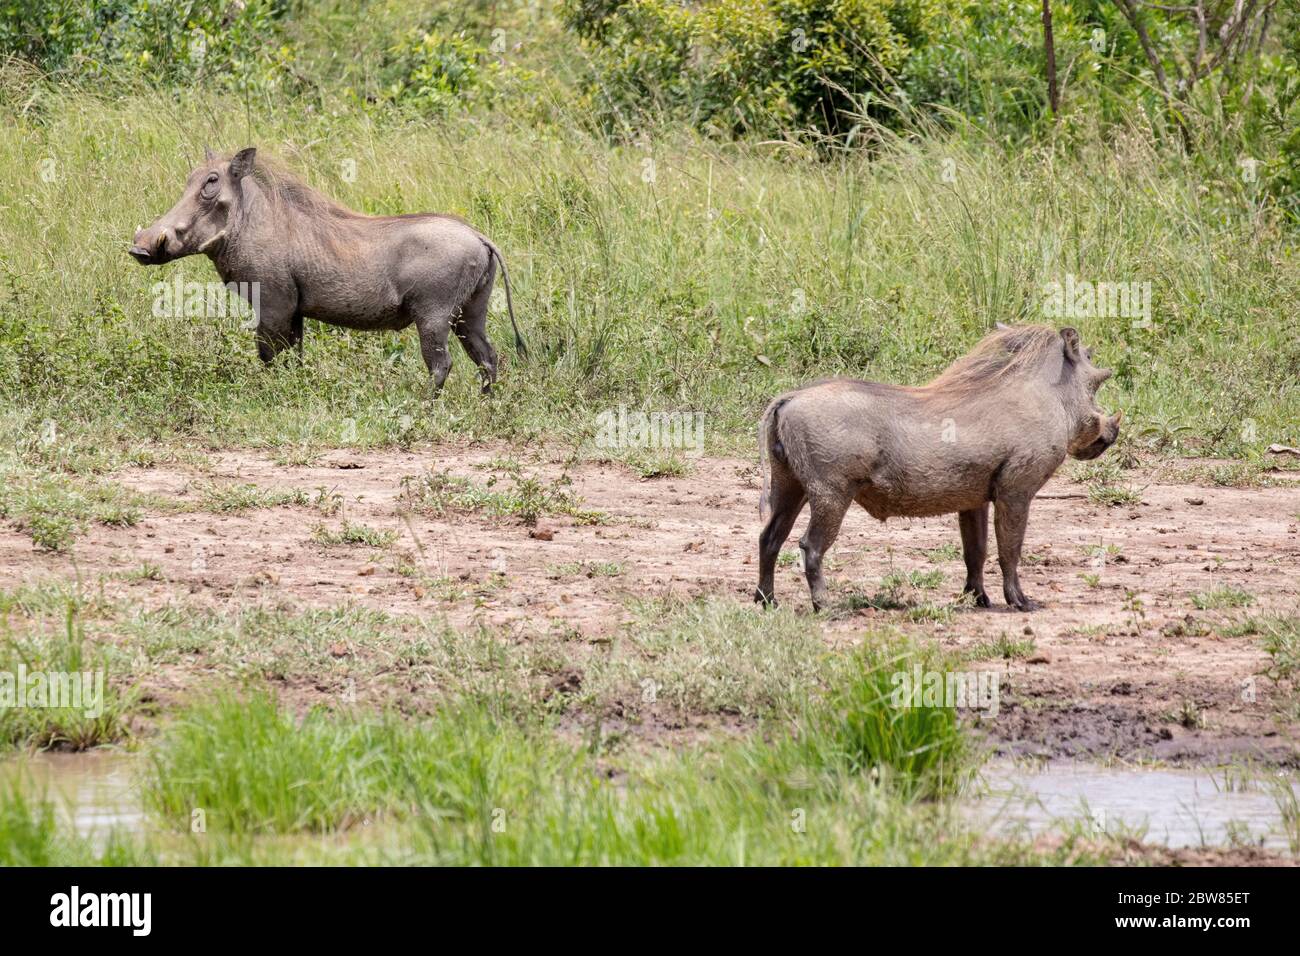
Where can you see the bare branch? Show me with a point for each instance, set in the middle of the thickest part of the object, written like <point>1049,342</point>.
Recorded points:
<point>1129,9</point>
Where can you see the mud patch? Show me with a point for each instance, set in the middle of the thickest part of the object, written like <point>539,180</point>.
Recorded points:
<point>1133,654</point>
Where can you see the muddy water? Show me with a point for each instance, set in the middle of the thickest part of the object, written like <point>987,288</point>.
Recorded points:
<point>97,793</point>
<point>1175,808</point>
<point>94,792</point>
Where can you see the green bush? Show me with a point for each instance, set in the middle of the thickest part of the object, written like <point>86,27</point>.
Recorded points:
<point>433,72</point>
<point>234,45</point>
<point>777,67</point>
<point>740,65</point>
<point>1277,105</point>
<point>772,68</point>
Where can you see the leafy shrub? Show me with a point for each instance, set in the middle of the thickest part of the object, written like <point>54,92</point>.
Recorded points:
<point>232,43</point>
<point>739,65</point>
<point>432,71</point>
<point>1278,107</point>
<point>781,66</point>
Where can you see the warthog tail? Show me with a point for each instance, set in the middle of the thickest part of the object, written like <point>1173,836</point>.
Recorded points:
<point>510,304</point>
<point>768,442</point>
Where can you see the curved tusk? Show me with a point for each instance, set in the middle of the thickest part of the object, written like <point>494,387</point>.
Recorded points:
<point>217,238</point>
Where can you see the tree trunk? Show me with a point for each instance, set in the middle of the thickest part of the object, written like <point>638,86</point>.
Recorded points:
<point>1049,46</point>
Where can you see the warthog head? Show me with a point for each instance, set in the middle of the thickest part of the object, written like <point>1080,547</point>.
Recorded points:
<point>198,220</point>
<point>1092,431</point>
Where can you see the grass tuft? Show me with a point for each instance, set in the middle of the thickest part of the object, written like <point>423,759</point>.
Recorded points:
<point>1222,597</point>
<point>39,671</point>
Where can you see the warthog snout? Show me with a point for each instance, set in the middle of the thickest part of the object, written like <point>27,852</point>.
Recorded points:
<point>1109,434</point>
<point>149,246</point>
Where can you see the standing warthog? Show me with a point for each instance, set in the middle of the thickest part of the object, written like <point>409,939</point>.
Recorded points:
<point>310,257</point>
<point>993,427</point>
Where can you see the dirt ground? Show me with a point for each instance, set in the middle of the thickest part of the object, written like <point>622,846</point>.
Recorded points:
<point>1117,652</point>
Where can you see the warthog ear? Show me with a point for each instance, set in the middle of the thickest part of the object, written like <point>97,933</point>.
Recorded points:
<point>242,164</point>
<point>1070,339</point>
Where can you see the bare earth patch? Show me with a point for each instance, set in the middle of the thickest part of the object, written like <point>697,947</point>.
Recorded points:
<point>1120,662</point>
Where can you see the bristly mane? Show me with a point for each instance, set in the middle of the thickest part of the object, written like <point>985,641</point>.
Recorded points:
<point>283,188</point>
<point>1017,351</point>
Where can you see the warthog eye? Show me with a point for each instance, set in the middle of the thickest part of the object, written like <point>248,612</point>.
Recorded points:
<point>210,188</point>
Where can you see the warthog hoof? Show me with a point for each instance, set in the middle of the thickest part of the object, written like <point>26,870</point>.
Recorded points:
<point>979,598</point>
<point>766,600</point>
<point>1025,605</point>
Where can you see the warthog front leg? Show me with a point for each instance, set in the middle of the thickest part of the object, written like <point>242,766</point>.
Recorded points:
<point>275,333</point>
<point>823,528</point>
<point>974,526</point>
<point>1010,516</point>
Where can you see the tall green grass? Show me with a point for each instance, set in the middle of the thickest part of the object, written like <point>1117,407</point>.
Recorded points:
<point>677,274</point>
<point>855,782</point>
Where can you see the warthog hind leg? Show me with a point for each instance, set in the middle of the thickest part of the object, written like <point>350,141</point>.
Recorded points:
<point>974,549</point>
<point>434,331</point>
<point>823,528</point>
<point>471,329</point>
<point>786,502</point>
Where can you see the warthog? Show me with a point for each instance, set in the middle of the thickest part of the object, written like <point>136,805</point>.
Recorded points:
<point>310,257</point>
<point>992,428</point>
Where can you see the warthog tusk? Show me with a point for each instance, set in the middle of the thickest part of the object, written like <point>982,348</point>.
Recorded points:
<point>217,237</point>
<point>1119,415</point>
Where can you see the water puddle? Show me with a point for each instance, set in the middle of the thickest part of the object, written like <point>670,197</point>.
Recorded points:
<point>93,792</point>
<point>1171,807</point>
<point>97,793</point>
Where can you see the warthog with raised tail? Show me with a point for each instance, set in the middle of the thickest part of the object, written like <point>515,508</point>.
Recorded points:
<point>307,256</point>
<point>992,428</point>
